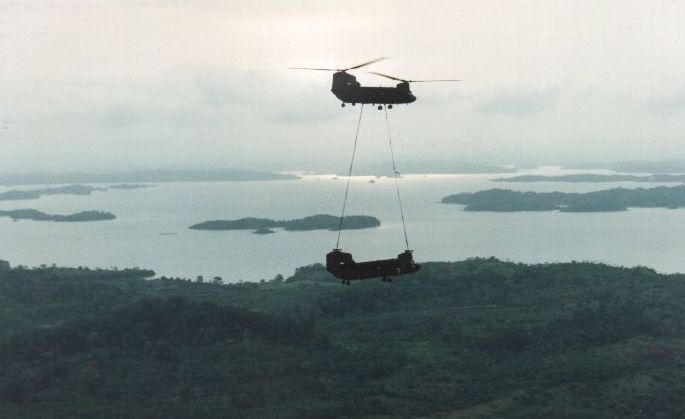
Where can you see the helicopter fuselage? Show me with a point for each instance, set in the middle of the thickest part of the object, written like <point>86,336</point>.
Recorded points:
<point>349,90</point>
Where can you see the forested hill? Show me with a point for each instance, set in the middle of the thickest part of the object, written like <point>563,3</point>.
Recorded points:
<point>478,338</point>
<point>617,199</point>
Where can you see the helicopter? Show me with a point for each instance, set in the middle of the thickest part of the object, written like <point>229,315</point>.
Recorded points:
<point>349,90</point>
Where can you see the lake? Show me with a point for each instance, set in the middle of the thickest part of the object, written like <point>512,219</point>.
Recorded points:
<point>151,229</point>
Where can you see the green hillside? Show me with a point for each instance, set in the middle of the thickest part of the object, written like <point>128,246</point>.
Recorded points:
<point>477,338</point>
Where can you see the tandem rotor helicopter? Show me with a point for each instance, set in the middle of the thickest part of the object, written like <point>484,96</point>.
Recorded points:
<point>349,90</point>
<point>346,88</point>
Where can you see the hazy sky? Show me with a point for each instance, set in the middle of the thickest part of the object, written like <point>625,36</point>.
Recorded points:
<point>128,84</point>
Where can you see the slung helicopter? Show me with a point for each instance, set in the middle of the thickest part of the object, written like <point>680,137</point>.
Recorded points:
<point>349,90</point>
<point>342,266</point>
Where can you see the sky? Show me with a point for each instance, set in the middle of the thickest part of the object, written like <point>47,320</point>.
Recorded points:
<point>118,85</point>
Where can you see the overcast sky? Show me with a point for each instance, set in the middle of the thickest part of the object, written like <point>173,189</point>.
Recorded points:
<point>102,85</point>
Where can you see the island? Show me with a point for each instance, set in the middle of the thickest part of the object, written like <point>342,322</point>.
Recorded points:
<point>594,178</point>
<point>37,193</point>
<point>35,215</point>
<point>143,176</point>
<point>314,222</point>
<point>478,338</point>
<point>126,186</point>
<point>264,230</point>
<point>618,199</point>
<point>636,166</point>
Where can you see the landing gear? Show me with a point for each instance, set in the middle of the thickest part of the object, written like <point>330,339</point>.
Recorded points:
<point>346,282</point>
<point>342,104</point>
<point>380,107</point>
<point>386,279</point>
<point>389,106</point>
<point>353,103</point>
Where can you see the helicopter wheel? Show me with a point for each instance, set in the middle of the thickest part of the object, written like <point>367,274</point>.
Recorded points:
<point>389,106</point>
<point>353,103</point>
<point>380,107</point>
<point>342,104</point>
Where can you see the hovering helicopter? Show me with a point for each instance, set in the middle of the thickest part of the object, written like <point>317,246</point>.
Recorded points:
<point>349,90</point>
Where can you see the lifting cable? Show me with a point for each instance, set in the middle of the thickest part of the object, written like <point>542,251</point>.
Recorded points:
<point>396,174</point>
<point>349,175</point>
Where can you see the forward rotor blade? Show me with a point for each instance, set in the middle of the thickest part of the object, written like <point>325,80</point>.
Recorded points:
<point>367,63</point>
<point>309,68</point>
<point>386,76</point>
<point>429,81</point>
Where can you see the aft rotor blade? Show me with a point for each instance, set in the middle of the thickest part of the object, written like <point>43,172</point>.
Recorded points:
<point>386,76</point>
<point>309,68</point>
<point>409,81</point>
<point>367,63</point>
<point>428,81</point>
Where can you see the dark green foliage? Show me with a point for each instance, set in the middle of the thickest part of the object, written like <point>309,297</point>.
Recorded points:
<point>619,199</point>
<point>313,222</point>
<point>330,222</point>
<point>478,338</point>
<point>35,215</point>
<point>241,224</point>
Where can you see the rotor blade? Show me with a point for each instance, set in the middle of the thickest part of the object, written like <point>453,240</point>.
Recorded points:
<point>367,63</point>
<point>309,68</point>
<point>428,81</point>
<point>386,76</point>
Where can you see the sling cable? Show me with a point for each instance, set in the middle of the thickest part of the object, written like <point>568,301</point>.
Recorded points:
<point>341,264</point>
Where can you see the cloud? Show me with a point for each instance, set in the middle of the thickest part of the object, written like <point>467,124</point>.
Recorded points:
<point>277,99</point>
<point>520,102</point>
<point>667,104</point>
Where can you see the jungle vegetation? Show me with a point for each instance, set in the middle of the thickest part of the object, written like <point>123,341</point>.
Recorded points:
<point>477,338</point>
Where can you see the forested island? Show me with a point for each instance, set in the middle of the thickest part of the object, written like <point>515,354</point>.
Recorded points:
<point>477,338</point>
<point>618,199</point>
<point>589,177</point>
<point>313,222</point>
<point>35,215</point>
<point>37,193</point>
<point>143,176</point>
<point>637,166</point>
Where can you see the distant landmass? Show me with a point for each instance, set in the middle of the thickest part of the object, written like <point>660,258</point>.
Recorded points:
<point>663,166</point>
<point>142,176</point>
<point>437,167</point>
<point>619,199</point>
<point>314,222</point>
<point>589,177</point>
<point>130,186</point>
<point>433,167</point>
<point>406,167</point>
<point>37,193</point>
<point>35,215</point>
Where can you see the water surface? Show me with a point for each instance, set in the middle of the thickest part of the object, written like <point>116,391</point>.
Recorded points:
<point>151,229</point>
